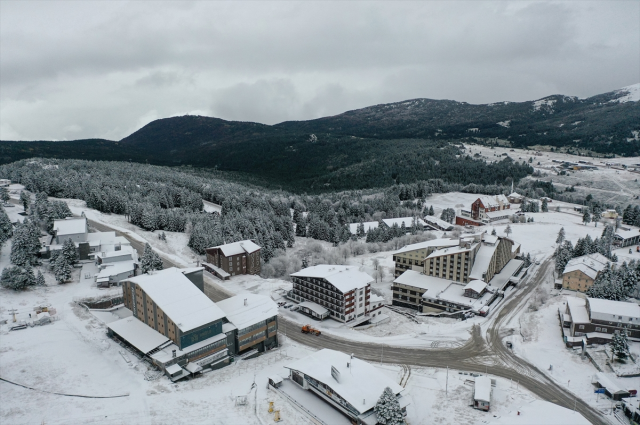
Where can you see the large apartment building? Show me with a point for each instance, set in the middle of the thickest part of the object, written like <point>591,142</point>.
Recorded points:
<point>252,321</point>
<point>235,258</point>
<point>580,273</point>
<point>344,291</point>
<point>411,257</point>
<point>488,204</point>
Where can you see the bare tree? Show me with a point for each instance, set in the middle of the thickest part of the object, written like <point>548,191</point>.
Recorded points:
<point>375,263</point>
<point>380,274</point>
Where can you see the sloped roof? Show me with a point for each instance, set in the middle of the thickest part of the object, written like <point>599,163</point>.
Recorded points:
<point>583,268</point>
<point>450,251</point>
<point>408,221</point>
<point>607,309</point>
<point>141,336</point>
<point>181,300</point>
<point>476,286</point>
<point>344,278</point>
<point>361,384</point>
<point>240,247</point>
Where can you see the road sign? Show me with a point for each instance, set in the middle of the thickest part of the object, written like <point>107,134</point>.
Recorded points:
<point>599,391</point>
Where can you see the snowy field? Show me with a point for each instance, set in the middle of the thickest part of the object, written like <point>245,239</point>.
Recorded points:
<point>606,184</point>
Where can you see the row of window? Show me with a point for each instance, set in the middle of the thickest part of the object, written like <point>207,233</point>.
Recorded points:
<point>251,328</point>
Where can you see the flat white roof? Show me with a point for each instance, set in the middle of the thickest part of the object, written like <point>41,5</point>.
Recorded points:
<point>112,269</point>
<point>166,353</point>
<point>316,308</point>
<point>538,412</point>
<point>344,278</point>
<point>240,247</point>
<point>125,250</point>
<point>433,285</point>
<point>437,243</point>
<point>136,333</point>
<point>70,226</point>
<point>259,308</point>
<point>501,279</point>
<point>361,385</point>
<point>499,213</point>
<point>614,310</point>
<point>482,389</point>
<point>368,225</point>
<point>610,382</point>
<point>490,239</point>
<point>482,261</point>
<point>626,234</point>
<point>181,300</point>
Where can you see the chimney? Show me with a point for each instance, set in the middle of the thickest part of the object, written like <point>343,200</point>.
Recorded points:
<point>245,301</point>
<point>173,353</point>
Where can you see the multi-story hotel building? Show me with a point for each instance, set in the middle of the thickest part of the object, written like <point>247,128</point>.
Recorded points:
<point>343,291</point>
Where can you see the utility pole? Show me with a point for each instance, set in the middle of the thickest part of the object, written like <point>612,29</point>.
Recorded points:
<point>446,390</point>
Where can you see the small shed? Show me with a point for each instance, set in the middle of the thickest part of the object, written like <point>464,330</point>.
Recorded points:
<point>612,388</point>
<point>482,393</point>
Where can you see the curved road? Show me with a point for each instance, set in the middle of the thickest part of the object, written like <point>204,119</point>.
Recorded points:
<point>486,354</point>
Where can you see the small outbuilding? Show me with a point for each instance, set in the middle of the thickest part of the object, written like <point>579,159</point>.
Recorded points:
<point>313,310</point>
<point>482,393</point>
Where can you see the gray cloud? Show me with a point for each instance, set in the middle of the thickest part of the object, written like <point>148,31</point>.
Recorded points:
<point>103,69</point>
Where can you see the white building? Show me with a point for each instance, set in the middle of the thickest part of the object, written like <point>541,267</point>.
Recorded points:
<point>348,384</point>
<point>344,291</point>
<point>368,225</point>
<point>88,244</point>
<point>482,393</point>
<point>538,412</point>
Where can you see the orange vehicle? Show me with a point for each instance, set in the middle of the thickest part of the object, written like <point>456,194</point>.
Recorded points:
<point>307,329</point>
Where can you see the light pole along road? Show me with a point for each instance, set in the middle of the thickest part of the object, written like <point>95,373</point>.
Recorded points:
<point>486,354</point>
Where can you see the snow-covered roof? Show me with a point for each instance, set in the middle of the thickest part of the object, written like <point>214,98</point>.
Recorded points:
<point>618,311</point>
<point>454,293</point>
<point>173,369</point>
<point>482,261</point>
<point>433,285</point>
<point>627,234</point>
<point>445,225</point>
<point>610,382</point>
<point>535,413</point>
<point>180,299</point>
<point>482,389</point>
<point>493,201</point>
<point>236,248</point>
<point>344,278</point>
<point>434,243</point>
<point>514,195</point>
<point>476,285</point>
<point>488,238</point>
<point>361,384</point>
<point>408,221</point>
<point>578,310</point>
<point>450,251</point>
<point>70,226</point>
<point>368,225</point>
<point>596,262</point>
<point>501,279</point>
<point>166,353</point>
<point>499,213</point>
<point>136,333</point>
<point>113,269</point>
<point>124,251</point>
<point>258,308</point>
<point>583,268</point>
<point>316,308</point>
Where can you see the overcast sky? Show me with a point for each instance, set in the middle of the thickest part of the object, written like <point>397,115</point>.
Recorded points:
<point>83,69</point>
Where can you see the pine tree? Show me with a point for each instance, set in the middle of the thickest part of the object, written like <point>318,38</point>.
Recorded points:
<point>26,244</point>
<point>69,252</point>
<point>17,278</point>
<point>25,199</point>
<point>586,217</point>
<point>4,195</point>
<point>40,279</point>
<point>6,228</point>
<point>545,205</point>
<point>561,236</point>
<point>62,269</point>
<point>493,232</point>
<point>387,409</point>
<point>620,344</point>
<point>150,260</point>
<point>507,230</point>
<point>431,211</point>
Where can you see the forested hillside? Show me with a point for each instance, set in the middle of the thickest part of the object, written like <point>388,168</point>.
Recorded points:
<point>372,147</point>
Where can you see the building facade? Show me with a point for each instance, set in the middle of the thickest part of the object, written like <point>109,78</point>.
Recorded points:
<point>481,206</point>
<point>581,272</point>
<point>236,258</point>
<point>343,290</point>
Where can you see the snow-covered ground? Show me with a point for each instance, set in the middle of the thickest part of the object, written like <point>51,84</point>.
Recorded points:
<point>606,184</point>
